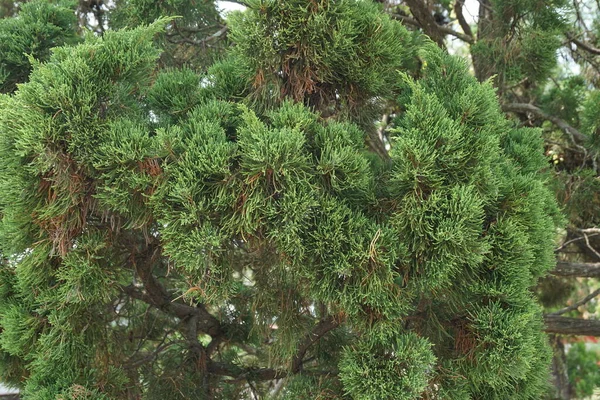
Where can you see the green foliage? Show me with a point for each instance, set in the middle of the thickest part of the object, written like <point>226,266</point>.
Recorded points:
<point>591,120</point>
<point>334,56</point>
<point>387,364</point>
<point>565,101</point>
<point>39,26</point>
<point>582,364</point>
<point>193,39</point>
<point>519,40</point>
<point>311,388</point>
<point>179,235</point>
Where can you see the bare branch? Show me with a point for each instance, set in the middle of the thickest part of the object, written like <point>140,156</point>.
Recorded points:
<point>589,230</point>
<point>568,242</point>
<point>264,374</point>
<point>424,17</point>
<point>383,124</point>
<point>578,304</point>
<point>240,2</point>
<point>583,270</point>
<point>582,45</point>
<point>324,326</point>
<point>157,296</point>
<point>256,374</point>
<point>589,246</point>
<point>446,30</point>
<point>577,136</point>
<point>572,326</point>
<point>376,144</point>
<point>242,374</point>
<point>458,9</point>
<point>579,20</point>
<point>139,360</point>
<point>195,42</point>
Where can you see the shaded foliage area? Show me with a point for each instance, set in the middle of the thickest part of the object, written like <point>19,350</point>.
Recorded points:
<point>30,36</point>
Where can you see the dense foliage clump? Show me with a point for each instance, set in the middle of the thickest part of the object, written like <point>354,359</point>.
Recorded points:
<point>173,234</point>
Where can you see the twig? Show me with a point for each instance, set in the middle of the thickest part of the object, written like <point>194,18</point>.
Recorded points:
<point>577,136</point>
<point>587,243</point>
<point>585,46</point>
<point>444,29</point>
<point>590,230</point>
<point>576,305</point>
<point>568,242</point>
<point>580,18</point>
<point>132,364</point>
<point>458,10</point>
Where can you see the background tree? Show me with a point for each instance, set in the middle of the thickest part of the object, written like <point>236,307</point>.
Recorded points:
<point>226,232</point>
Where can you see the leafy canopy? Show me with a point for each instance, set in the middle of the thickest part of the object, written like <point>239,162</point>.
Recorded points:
<point>181,235</point>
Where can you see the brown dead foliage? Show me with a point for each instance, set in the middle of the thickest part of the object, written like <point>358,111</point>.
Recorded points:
<point>465,341</point>
<point>65,180</point>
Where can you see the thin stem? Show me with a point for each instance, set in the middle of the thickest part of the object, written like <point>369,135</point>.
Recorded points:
<point>576,305</point>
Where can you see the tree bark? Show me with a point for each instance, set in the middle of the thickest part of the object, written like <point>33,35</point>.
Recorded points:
<point>583,45</point>
<point>560,377</point>
<point>423,15</point>
<point>458,9</point>
<point>481,66</point>
<point>572,326</point>
<point>583,270</point>
<point>406,20</point>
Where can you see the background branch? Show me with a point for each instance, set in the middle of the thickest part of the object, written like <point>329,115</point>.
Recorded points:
<point>458,10</point>
<point>158,296</point>
<point>314,336</point>
<point>523,108</point>
<point>584,270</point>
<point>410,21</point>
<point>583,45</point>
<point>576,305</point>
<point>571,326</point>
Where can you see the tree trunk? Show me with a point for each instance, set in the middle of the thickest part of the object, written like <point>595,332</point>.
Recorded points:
<point>560,377</point>
<point>483,67</point>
